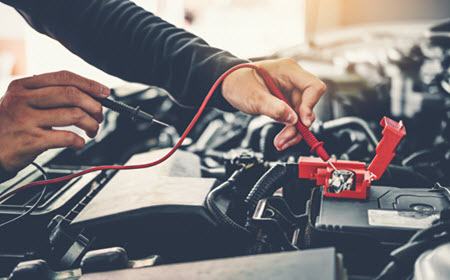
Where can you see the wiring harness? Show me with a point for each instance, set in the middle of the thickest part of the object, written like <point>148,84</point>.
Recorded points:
<point>35,205</point>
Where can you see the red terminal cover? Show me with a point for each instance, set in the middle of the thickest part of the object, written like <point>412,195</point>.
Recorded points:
<point>314,168</point>
<point>393,133</point>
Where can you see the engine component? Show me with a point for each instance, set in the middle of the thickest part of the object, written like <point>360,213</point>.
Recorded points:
<point>285,265</point>
<point>402,259</point>
<point>162,190</point>
<point>433,264</point>
<point>94,261</point>
<point>276,227</point>
<point>36,269</point>
<point>269,183</point>
<point>149,206</point>
<point>215,210</point>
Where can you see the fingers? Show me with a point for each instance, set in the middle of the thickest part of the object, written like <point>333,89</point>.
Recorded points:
<point>286,134</point>
<point>65,78</point>
<point>65,96</point>
<point>32,106</point>
<point>275,109</point>
<point>310,97</point>
<point>306,114</point>
<point>61,139</point>
<point>287,137</point>
<point>312,90</point>
<point>68,116</point>
<point>292,142</point>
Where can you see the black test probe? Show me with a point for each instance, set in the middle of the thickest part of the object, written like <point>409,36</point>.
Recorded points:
<point>134,113</point>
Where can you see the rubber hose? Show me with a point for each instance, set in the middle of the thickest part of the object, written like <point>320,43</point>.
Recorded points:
<point>221,217</point>
<point>266,185</point>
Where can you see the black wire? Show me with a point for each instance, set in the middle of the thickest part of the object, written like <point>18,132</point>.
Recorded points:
<point>28,212</point>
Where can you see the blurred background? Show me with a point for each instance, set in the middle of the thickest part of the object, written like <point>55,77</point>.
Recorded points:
<point>247,28</point>
<point>377,58</point>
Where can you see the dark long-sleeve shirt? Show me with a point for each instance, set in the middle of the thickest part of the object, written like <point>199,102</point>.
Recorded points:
<point>126,41</point>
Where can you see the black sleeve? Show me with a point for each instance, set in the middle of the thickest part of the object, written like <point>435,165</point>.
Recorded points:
<point>126,41</point>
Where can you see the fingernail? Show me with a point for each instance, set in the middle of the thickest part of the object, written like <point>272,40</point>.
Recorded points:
<point>282,142</point>
<point>308,120</point>
<point>284,146</point>
<point>104,91</point>
<point>291,118</point>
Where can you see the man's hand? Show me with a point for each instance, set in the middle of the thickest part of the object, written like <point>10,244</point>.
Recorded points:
<point>245,90</point>
<point>32,106</point>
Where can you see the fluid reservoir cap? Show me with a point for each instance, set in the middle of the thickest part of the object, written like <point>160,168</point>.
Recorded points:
<point>104,260</point>
<point>31,270</point>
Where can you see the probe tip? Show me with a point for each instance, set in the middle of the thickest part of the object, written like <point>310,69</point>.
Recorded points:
<point>160,122</point>
<point>332,165</point>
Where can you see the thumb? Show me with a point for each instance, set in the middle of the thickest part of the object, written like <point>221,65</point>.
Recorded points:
<point>277,110</point>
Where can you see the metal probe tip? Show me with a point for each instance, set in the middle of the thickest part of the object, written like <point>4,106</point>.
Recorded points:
<point>160,122</point>
<point>332,165</point>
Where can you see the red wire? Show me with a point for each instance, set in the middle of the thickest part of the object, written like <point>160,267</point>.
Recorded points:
<point>120,167</point>
<point>270,83</point>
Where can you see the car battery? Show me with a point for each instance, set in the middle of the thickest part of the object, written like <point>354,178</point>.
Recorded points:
<point>368,230</point>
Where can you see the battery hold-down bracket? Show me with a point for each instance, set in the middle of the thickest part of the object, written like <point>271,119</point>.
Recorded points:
<point>356,186</point>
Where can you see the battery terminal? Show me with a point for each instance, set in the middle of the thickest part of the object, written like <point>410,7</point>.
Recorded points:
<point>341,180</point>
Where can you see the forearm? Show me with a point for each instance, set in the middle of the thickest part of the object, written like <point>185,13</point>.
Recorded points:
<point>126,41</point>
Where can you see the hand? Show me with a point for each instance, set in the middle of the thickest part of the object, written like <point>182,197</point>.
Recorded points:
<point>32,106</point>
<point>246,91</point>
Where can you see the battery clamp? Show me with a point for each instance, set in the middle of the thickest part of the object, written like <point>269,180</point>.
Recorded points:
<point>353,179</point>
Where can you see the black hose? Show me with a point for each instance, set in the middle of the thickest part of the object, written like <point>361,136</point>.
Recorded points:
<point>429,232</point>
<point>347,121</point>
<point>269,183</point>
<point>390,272</point>
<point>220,216</point>
<point>403,177</point>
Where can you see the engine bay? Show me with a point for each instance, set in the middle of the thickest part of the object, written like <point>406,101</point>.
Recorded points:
<point>227,197</point>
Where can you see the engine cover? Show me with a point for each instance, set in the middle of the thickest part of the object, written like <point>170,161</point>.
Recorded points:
<point>165,202</point>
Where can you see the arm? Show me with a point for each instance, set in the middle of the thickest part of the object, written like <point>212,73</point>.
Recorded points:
<point>128,42</point>
<point>137,46</point>
<point>124,40</point>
